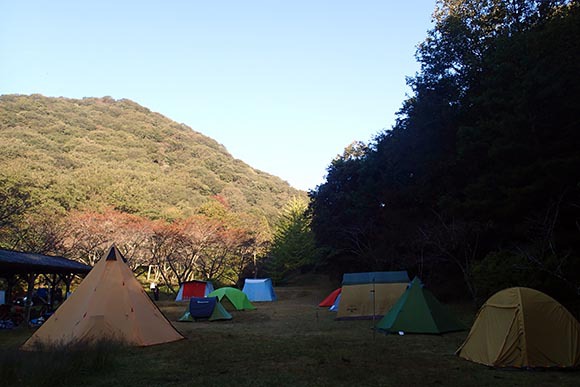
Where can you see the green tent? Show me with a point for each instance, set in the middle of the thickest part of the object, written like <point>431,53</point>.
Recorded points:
<point>236,297</point>
<point>418,311</point>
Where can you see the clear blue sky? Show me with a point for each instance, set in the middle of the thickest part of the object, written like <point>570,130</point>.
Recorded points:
<point>284,85</point>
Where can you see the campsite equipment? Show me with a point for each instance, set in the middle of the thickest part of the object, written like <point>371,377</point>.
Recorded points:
<point>418,311</point>
<point>330,299</point>
<point>109,304</point>
<point>194,288</point>
<point>205,308</point>
<point>370,295</point>
<point>233,296</point>
<point>522,327</point>
<point>259,289</point>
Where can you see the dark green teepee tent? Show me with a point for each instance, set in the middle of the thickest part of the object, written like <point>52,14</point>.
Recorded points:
<point>418,311</point>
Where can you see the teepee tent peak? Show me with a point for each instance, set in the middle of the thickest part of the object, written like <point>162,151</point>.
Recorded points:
<point>109,304</point>
<point>114,254</point>
<point>522,327</point>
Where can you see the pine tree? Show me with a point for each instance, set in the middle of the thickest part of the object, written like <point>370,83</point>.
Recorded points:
<point>293,246</point>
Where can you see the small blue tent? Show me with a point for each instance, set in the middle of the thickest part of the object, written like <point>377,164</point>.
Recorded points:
<point>259,289</point>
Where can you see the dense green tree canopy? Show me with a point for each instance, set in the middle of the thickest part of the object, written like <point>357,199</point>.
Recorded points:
<point>483,164</point>
<point>101,152</point>
<point>293,244</point>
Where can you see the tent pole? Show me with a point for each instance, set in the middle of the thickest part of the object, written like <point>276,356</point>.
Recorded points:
<point>255,266</point>
<point>374,308</point>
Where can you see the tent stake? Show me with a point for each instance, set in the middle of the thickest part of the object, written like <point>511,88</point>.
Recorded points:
<point>374,309</point>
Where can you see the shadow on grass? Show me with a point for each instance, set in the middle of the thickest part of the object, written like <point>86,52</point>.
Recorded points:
<point>58,365</point>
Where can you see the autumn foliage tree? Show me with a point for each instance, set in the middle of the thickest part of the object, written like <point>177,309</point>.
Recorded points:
<point>92,233</point>
<point>199,247</point>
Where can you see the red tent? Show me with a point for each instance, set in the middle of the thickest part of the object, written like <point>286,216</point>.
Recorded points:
<point>194,289</point>
<point>329,301</point>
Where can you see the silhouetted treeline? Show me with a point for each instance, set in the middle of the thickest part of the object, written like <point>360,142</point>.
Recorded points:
<point>477,185</point>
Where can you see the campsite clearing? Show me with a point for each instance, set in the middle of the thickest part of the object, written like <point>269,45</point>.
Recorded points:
<point>288,342</point>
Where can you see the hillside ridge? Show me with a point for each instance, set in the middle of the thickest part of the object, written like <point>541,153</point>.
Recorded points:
<point>102,152</point>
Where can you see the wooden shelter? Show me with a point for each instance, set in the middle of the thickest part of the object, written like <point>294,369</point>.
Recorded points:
<point>29,266</point>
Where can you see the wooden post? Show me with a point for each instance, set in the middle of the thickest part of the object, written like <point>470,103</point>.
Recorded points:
<point>67,279</point>
<point>30,279</point>
<point>53,282</point>
<point>10,282</point>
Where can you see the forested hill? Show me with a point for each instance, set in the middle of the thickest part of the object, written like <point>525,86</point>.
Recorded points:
<point>101,152</point>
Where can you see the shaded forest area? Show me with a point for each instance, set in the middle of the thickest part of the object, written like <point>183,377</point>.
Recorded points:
<point>477,186</point>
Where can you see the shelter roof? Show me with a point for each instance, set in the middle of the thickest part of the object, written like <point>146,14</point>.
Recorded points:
<point>15,262</point>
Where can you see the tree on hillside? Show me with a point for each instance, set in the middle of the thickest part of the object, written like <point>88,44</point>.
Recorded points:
<point>42,232</point>
<point>26,226</point>
<point>15,201</point>
<point>200,248</point>
<point>169,249</point>
<point>228,257</point>
<point>90,234</point>
<point>293,244</point>
<point>219,248</point>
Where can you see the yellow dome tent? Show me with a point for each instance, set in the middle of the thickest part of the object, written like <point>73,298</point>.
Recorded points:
<point>522,327</point>
<point>109,304</point>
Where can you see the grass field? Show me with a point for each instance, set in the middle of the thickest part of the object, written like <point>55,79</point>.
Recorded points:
<point>288,342</point>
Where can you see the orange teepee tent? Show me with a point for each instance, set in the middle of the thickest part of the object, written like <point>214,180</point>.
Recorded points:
<point>109,304</point>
